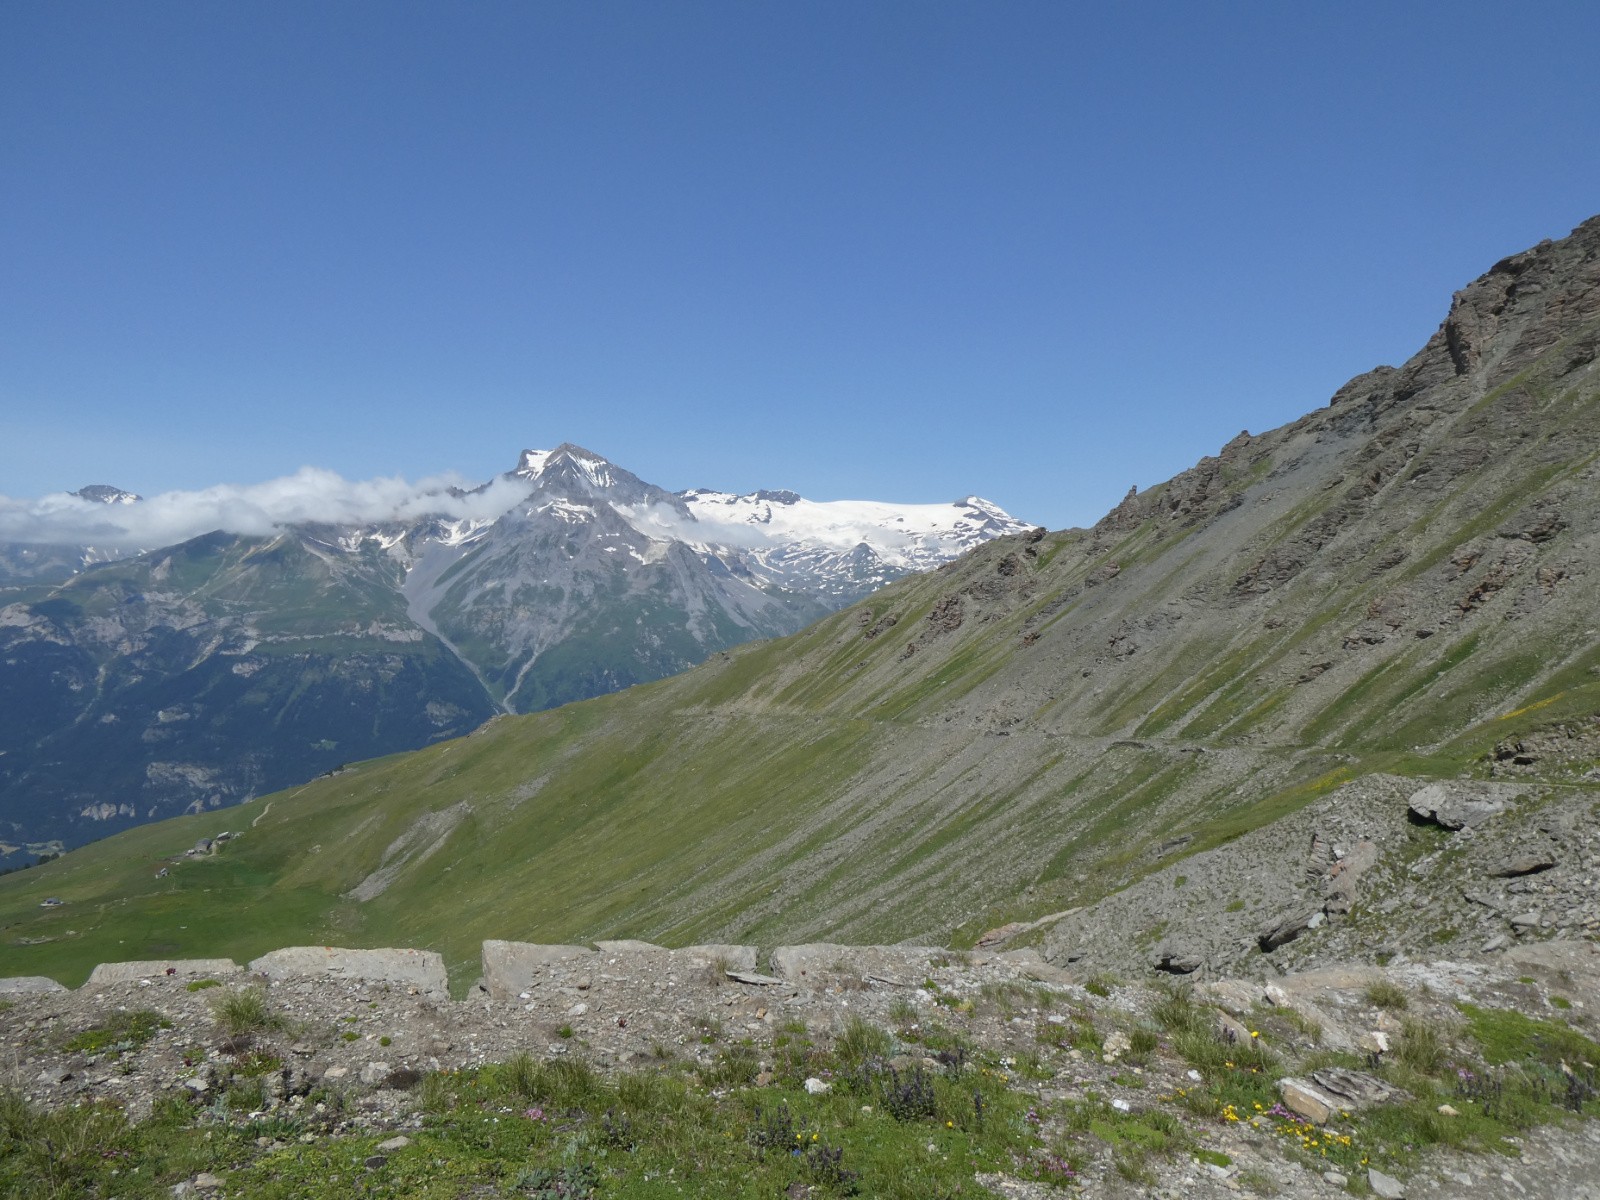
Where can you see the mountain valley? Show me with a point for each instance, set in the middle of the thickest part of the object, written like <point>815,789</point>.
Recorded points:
<point>231,665</point>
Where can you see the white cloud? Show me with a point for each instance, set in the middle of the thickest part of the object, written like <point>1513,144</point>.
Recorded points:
<point>310,495</point>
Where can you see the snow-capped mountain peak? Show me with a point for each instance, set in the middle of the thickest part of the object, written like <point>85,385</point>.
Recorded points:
<point>104,493</point>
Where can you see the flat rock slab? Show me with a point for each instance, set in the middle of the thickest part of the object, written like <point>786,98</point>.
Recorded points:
<point>127,972</point>
<point>887,964</point>
<point>419,969</point>
<point>509,967</point>
<point>752,977</point>
<point>18,985</point>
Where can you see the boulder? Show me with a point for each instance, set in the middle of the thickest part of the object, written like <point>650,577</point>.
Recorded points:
<point>1385,1187</point>
<point>419,969</point>
<point>1303,1097</point>
<point>1177,960</point>
<point>1286,930</point>
<point>187,968</point>
<point>17,985</point>
<point>1523,864</point>
<point>1451,807</point>
<point>509,967</point>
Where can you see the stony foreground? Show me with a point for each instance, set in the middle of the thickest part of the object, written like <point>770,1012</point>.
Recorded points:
<point>368,1027</point>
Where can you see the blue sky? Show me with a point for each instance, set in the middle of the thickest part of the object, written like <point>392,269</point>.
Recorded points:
<point>1037,251</point>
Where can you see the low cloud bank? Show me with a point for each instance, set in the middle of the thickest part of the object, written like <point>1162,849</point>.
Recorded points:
<point>310,495</point>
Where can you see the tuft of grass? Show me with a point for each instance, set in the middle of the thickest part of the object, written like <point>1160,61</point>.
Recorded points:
<point>200,985</point>
<point>903,1012</point>
<point>245,1011</point>
<point>1388,995</point>
<point>861,1041</point>
<point>1421,1048</point>
<point>560,1082</point>
<point>1100,984</point>
<point>737,1066</point>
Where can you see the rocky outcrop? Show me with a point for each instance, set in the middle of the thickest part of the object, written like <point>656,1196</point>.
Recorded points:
<point>418,971</point>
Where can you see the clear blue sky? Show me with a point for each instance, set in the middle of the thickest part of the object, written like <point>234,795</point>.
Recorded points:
<point>1038,251</point>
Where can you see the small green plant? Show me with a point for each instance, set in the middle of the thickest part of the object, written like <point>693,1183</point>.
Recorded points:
<point>386,1040</point>
<point>1100,984</point>
<point>1421,1047</point>
<point>1235,906</point>
<point>736,1066</point>
<point>1180,881</point>
<point>1388,995</point>
<point>1560,1002</point>
<point>564,1032</point>
<point>557,1183</point>
<point>123,1032</point>
<point>244,1011</point>
<point>350,1035</point>
<point>200,985</point>
<point>861,1041</point>
<point>1143,1043</point>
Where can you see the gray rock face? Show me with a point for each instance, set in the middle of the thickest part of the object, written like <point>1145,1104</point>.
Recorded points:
<point>419,969</point>
<point>122,972</point>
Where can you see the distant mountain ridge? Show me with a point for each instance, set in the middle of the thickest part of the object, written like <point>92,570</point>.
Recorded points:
<point>197,675</point>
